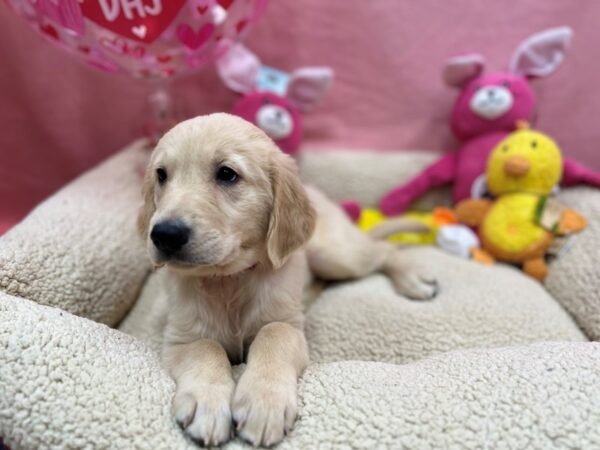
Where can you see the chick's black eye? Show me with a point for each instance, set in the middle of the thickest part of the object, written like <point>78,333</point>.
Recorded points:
<point>227,175</point>
<point>161,175</point>
<point>505,148</point>
<point>533,144</point>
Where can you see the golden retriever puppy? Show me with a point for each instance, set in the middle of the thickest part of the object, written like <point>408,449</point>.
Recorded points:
<point>225,213</point>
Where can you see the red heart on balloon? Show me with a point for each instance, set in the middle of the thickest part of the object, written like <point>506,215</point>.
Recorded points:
<point>140,20</point>
<point>225,4</point>
<point>194,40</point>
<point>202,9</point>
<point>49,30</point>
<point>241,25</point>
<point>163,58</point>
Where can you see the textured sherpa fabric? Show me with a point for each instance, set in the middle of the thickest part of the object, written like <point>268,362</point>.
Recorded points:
<point>477,306</point>
<point>574,278</point>
<point>79,250</point>
<point>67,382</point>
<point>537,397</point>
<point>366,175</point>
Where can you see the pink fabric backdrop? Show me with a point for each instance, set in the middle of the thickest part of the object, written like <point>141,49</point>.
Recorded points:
<point>59,118</point>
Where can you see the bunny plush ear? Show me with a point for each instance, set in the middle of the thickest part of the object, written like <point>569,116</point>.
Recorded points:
<point>459,70</point>
<point>540,54</point>
<point>238,68</point>
<point>308,85</point>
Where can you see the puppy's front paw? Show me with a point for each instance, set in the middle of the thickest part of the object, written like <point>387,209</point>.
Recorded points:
<point>414,286</point>
<point>203,411</point>
<point>264,408</point>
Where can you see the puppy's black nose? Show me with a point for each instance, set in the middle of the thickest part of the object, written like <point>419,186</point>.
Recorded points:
<point>170,236</point>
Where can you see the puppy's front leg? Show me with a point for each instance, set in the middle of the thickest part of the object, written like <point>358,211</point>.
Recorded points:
<point>265,402</point>
<point>205,386</point>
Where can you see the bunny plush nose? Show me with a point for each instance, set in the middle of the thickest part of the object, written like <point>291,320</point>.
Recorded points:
<point>517,166</point>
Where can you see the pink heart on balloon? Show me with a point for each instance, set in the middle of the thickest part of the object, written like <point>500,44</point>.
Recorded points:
<point>66,12</point>
<point>116,45</point>
<point>192,39</point>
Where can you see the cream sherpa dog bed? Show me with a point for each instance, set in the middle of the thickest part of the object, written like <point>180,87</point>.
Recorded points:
<point>478,367</point>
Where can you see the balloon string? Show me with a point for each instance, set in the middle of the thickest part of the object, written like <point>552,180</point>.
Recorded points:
<point>162,115</point>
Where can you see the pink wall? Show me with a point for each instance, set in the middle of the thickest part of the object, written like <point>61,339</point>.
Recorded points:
<point>58,117</point>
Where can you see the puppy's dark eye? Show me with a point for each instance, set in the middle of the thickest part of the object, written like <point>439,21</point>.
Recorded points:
<point>227,175</point>
<point>161,175</point>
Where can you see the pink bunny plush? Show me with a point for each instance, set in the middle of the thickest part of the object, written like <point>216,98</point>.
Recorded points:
<point>271,99</point>
<point>487,109</point>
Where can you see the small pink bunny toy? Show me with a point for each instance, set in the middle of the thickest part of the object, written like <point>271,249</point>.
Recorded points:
<point>273,100</point>
<point>487,109</point>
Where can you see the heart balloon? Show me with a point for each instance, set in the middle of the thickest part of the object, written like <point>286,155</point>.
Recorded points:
<point>144,38</point>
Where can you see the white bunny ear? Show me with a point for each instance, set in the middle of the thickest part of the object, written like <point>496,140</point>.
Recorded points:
<point>540,54</point>
<point>459,70</point>
<point>238,69</point>
<point>308,85</point>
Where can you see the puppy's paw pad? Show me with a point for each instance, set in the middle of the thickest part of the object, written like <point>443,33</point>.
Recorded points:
<point>184,408</point>
<point>264,410</point>
<point>205,414</point>
<point>415,286</point>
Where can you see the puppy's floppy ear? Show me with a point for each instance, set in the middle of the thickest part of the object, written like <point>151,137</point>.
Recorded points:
<point>147,209</point>
<point>293,218</point>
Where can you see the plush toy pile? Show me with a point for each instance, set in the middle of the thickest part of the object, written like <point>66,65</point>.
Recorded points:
<point>520,223</point>
<point>486,111</point>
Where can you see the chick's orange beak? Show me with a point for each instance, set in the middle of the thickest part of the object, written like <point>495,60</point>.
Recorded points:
<point>517,166</point>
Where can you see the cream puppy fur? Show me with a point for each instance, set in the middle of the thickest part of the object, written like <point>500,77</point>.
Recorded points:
<point>226,215</point>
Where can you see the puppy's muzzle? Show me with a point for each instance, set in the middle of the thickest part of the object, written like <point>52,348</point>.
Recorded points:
<point>170,236</point>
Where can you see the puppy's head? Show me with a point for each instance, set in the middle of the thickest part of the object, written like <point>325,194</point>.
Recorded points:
<point>220,197</point>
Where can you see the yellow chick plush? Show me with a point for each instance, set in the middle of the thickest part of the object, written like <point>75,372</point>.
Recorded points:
<point>521,223</point>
